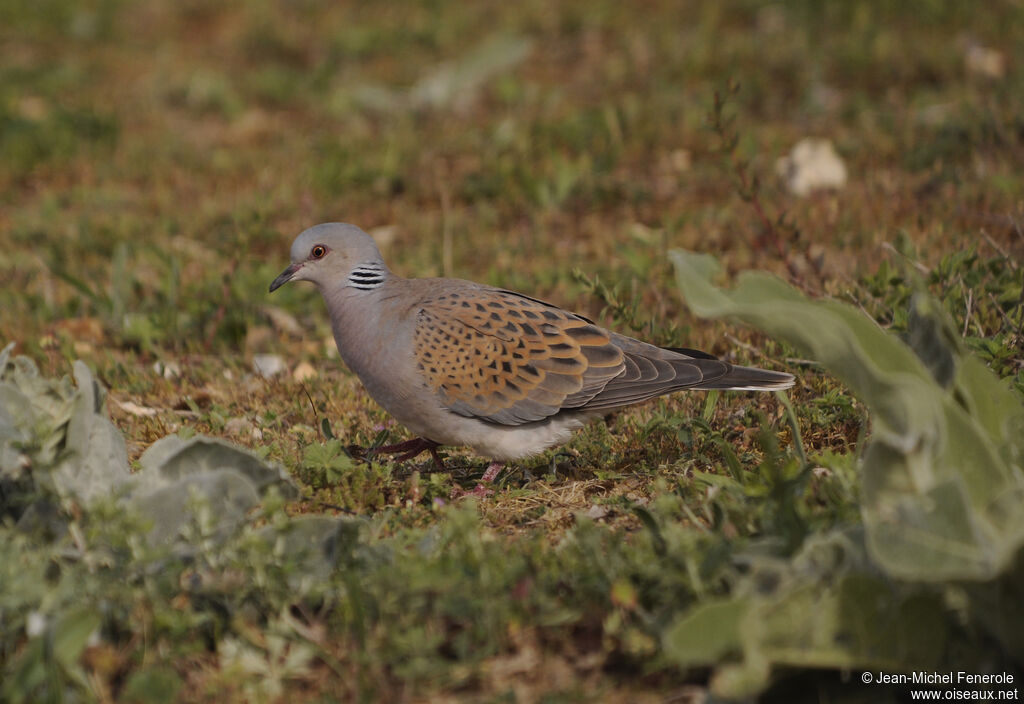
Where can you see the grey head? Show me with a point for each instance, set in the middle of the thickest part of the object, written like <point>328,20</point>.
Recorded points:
<point>334,254</point>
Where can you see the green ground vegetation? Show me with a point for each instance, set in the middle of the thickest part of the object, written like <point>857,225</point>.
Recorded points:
<point>156,160</point>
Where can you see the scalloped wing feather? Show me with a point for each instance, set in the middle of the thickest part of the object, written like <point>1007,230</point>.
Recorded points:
<point>510,359</point>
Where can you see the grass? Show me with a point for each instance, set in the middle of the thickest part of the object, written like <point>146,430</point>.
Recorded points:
<point>156,160</point>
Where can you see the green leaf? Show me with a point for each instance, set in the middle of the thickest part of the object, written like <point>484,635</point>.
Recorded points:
<point>657,539</point>
<point>35,412</point>
<point>173,457</point>
<point>707,634</point>
<point>96,462</point>
<point>70,634</point>
<point>325,428</point>
<point>932,339</point>
<point>317,543</point>
<point>822,624</point>
<point>824,608</point>
<point>942,475</point>
<point>5,355</point>
<point>152,685</point>
<point>228,493</point>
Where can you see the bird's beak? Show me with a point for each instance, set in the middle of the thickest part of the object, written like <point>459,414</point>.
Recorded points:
<point>285,276</point>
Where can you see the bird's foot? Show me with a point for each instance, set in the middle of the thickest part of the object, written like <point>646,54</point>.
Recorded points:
<point>410,449</point>
<point>479,492</point>
<point>492,472</point>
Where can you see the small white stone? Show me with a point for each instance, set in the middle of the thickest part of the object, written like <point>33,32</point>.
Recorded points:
<point>681,160</point>
<point>984,61</point>
<point>330,348</point>
<point>813,165</point>
<point>135,409</point>
<point>35,624</point>
<point>168,370</point>
<point>596,512</point>
<point>238,426</point>
<point>268,365</point>
<point>303,371</point>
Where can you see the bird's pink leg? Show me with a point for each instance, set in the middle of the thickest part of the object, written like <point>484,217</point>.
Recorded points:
<point>410,449</point>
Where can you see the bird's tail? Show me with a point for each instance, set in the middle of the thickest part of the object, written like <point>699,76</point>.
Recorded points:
<point>739,378</point>
<point>750,379</point>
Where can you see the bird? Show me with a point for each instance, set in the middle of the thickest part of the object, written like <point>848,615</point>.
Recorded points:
<point>460,363</point>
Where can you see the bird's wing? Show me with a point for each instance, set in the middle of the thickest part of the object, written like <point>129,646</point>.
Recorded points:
<point>510,359</point>
<point>651,371</point>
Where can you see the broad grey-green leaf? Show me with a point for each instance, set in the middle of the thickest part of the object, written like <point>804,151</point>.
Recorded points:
<point>707,634</point>
<point>14,424</point>
<point>95,461</point>
<point>932,339</point>
<point>320,543</point>
<point>227,493</point>
<point>36,408</point>
<point>943,481</point>
<point>995,406</point>
<point>12,402</point>
<point>856,621</point>
<point>998,605</point>
<point>824,608</point>
<point>5,355</point>
<point>860,620</point>
<point>42,518</point>
<point>173,457</point>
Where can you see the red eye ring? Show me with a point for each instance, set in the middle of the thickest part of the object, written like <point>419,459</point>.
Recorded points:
<point>318,251</point>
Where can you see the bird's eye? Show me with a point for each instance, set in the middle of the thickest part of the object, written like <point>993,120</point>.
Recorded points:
<point>318,251</point>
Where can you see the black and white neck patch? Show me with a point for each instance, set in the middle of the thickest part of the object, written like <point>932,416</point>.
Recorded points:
<point>367,276</point>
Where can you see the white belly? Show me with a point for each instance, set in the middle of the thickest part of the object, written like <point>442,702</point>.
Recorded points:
<point>498,442</point>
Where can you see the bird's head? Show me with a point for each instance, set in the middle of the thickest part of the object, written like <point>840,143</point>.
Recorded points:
<point>334,253</point>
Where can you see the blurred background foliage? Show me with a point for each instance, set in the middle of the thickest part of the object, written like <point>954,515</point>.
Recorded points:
<point>155,157</point>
